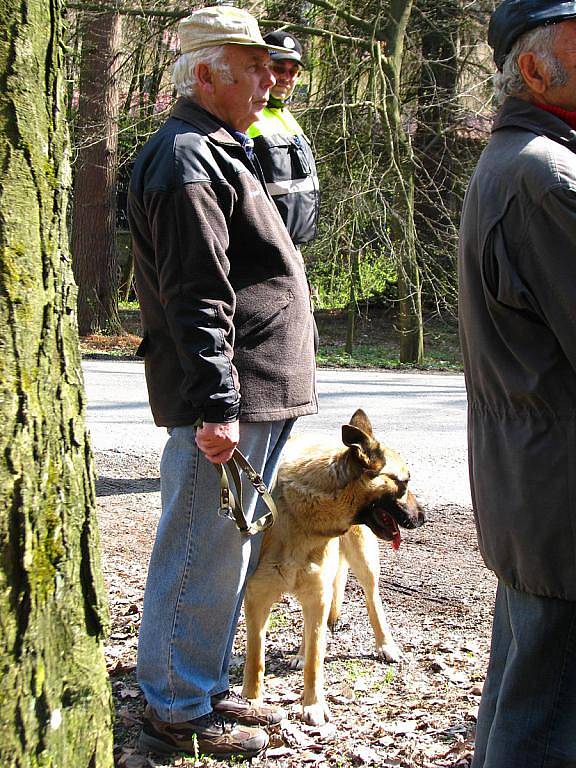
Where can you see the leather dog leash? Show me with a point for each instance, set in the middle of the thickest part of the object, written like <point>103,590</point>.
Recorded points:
<point>231,506</point>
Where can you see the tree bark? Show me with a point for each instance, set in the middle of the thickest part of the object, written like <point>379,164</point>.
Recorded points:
<point>436,204</point>
<point>55,704</point>
<point>403,232</point>
<point>93,240</point>
<point>354,257</point>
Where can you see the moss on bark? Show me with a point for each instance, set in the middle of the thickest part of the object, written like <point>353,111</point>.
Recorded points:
<point>55,706</point>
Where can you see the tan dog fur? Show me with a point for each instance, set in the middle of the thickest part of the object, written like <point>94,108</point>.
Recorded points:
<point>322,490</point>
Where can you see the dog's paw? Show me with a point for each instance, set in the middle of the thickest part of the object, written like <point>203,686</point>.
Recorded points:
<point>315,714</point>
<point>389,652</point>
<point>296,662</point>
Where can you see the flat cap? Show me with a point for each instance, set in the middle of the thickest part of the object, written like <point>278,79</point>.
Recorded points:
<point>514,17</point>
<point>221,25</point>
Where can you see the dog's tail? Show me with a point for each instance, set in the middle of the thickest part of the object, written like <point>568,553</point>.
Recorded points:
<point>338,594</point>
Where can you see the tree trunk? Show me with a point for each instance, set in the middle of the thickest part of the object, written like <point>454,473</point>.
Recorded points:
<point>402,227</point>
<point>55,705</point>
<point>94,202</point>
<point>434,143</point>
<point>355,256</point>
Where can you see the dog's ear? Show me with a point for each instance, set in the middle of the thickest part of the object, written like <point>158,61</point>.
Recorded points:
<point>354,437</point>
<point>360,420</point>
<point>364,447</point>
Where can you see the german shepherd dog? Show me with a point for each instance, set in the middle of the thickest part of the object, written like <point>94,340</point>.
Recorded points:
<point>331,501</point>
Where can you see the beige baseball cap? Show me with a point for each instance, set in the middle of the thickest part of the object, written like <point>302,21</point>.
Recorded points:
<point>221,25</point>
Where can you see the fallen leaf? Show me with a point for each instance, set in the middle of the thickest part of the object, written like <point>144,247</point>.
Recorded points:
<point>277,752</point>
<point>129,693</point>
<point>456,677</point>
<point>293,733</point>
<point>366,755</point>
<point>132,759</point>
<point>326,732</point>
<point>127,717</point>
<point>402,726</point>
<point>289,697</point>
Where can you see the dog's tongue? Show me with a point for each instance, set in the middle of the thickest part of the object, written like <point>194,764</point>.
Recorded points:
<point>396,540</point>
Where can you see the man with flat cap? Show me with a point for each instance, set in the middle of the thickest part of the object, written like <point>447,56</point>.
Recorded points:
<point>282,148</point>
<point>517,305</point>
<point>229,360</point>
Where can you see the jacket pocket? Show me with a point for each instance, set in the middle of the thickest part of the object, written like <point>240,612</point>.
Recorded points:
<point>300,166</point>
<point>282,158</point>
<point>258,322</point>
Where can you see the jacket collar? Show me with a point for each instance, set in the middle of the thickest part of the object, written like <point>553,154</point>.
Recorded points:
<point>518,113</point>
<point>192,113</point>
<point>274,103</point>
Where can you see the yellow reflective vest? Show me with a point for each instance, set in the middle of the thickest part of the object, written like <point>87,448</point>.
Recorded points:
<point>287,162</point>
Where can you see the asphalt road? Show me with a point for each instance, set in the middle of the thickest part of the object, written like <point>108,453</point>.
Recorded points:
<point>422,415</point>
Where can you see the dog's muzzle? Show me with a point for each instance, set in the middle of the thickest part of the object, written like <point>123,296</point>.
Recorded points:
<point>385,516</point>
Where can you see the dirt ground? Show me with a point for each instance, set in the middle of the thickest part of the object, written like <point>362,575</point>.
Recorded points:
<point>418,713</point>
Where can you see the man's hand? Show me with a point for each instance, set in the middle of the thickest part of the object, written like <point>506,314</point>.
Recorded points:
<point>217,441</point>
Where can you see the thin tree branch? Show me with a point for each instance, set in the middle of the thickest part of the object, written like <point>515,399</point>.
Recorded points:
<point>129,11</point>
<point>177,14</point>
<point>356,21</point>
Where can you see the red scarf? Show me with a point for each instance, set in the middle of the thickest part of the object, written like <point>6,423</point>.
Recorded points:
<point>564,114</point>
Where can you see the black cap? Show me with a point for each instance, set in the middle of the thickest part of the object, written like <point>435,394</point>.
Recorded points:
<point>284,40</point>
<point>514,17</point>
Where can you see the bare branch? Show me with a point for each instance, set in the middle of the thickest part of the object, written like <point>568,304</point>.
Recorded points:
<point>315,31</point>
<point>140,12</point>
<point>366,26</point>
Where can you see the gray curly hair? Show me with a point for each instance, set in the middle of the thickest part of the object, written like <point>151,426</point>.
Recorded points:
<point>183,75</point>
<point>510,82</point>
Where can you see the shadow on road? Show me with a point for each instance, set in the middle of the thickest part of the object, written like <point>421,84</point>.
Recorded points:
<point>114,486</point>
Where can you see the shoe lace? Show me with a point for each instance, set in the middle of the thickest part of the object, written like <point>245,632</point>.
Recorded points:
<point>220,722</point>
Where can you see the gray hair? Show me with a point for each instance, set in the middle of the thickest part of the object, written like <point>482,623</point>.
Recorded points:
<point>183,75</point>
<point>510,82</point>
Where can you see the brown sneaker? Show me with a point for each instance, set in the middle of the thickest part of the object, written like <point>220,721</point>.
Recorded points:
<point>235,707</point>
<point>208,735</point>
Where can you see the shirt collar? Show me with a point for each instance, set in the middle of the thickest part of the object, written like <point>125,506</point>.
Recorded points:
<point>519,113</point>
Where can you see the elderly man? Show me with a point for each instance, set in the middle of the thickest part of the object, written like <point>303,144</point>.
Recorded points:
<point>518,330</point>
<point>228,348</point>
<point>282,149</point>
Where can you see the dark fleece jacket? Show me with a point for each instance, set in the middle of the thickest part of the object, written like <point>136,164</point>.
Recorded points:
<point>227,320</point>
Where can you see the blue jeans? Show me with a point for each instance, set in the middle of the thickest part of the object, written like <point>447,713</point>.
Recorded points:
<point>527,716</point>
<point>197,573</point>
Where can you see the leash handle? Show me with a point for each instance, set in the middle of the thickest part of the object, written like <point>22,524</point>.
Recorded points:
<point>231,506</point>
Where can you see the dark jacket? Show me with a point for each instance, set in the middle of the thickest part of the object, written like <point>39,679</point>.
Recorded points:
<point>226,313</point>
<point>518,330</point>
<point>286,159</point>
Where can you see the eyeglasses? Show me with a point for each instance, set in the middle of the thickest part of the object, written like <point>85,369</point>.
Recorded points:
<point>285,68</point>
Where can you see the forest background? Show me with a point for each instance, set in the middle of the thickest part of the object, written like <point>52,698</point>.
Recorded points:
<point>396,100</point>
